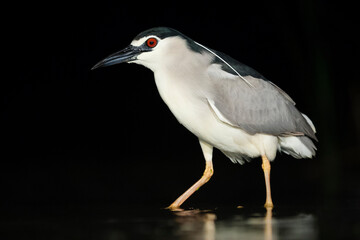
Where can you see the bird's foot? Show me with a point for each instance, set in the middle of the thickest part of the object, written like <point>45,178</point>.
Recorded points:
<point>269,204</point>
<point>174,208</point>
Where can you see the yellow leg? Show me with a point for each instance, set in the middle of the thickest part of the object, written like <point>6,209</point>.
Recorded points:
<point>266,168</point>
<point>209,171</point>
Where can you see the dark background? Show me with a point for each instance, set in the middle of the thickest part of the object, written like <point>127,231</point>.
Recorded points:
<point>73,136</point>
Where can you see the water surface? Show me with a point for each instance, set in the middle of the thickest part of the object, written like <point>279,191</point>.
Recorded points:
<point>139,222</point>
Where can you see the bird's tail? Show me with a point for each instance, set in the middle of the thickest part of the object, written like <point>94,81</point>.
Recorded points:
<point>298,146</point>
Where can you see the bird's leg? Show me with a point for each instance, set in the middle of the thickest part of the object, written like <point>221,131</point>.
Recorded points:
<point>266,168</point>
<point>209,171</point>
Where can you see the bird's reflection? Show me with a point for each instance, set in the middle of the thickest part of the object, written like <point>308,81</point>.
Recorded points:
<point>196,224</point>
<point>268,231</point>
<point>204,224</point>
<point>201,224</point>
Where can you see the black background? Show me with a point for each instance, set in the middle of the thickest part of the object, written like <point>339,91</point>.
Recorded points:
<point>75,136</point>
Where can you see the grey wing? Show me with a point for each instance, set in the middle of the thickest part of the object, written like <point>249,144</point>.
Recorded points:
<point>262,109</point>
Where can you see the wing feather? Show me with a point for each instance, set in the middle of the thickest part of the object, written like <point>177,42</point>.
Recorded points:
<point>265,108</point>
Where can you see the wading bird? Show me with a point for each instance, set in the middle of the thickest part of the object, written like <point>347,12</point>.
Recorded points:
<point>225,103</point>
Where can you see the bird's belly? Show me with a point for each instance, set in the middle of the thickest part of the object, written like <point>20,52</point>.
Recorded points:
<point>206,126</point>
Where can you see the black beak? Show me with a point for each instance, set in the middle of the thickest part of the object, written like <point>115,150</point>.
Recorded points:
<point>126,55</point>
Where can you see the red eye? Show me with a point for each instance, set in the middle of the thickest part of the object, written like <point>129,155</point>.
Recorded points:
<point>151,42</point>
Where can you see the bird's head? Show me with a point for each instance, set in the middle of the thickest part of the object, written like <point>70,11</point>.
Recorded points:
<point>153,48</point>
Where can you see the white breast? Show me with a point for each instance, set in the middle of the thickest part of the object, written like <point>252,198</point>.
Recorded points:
<point>185,102</point>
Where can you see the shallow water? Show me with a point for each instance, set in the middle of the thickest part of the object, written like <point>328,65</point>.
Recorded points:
<point>139,222</point>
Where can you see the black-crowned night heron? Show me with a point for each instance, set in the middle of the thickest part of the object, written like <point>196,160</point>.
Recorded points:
<point>226,104</point>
